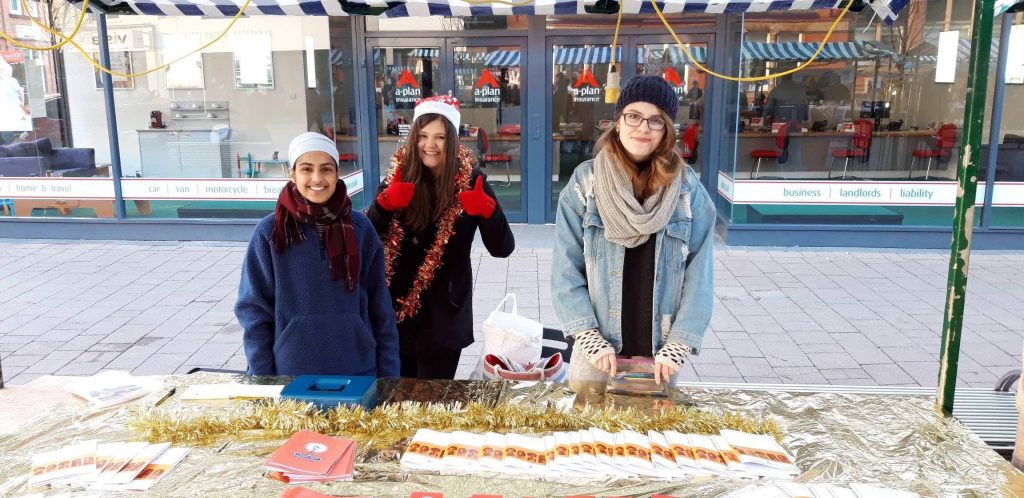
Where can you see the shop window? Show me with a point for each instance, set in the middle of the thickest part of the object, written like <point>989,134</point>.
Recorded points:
<point>207,138</point>
<point>1007,211</point>
<point>856,137</point>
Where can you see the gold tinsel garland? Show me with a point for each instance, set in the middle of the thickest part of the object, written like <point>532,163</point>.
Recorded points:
<point>391,423</point>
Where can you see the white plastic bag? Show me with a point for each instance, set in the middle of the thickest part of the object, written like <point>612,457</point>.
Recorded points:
<point>511,335</point>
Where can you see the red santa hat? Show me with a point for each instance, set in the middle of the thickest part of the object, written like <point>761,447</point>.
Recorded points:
<point>445,105</point>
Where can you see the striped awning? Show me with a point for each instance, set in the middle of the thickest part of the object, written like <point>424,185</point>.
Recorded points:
<point>337,57</point>
<point>674,56</point>
<point>503,58</point>
<point>886,9</point>
<point>426,52</point>
<point>586,55</point>
<point>795,51</point>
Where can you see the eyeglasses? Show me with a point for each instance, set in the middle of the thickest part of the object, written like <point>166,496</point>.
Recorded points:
<point>655,123</point>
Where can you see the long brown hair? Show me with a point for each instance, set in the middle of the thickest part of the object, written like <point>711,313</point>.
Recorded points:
<point>434,193</point>
<point>665,162</point>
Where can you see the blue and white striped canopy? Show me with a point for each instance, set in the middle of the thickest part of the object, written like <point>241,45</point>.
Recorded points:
<point>796,51</point>
<point>674,56</point>
<point>886,9</point>
<point>586,55</point>
<point>502,58</point>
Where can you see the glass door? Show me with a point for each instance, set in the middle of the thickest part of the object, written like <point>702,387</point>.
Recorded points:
<point>667,59</point>
<point>581,107</point>
<point>489,83</point>
<point>403,73</point>
<point>486,76</point>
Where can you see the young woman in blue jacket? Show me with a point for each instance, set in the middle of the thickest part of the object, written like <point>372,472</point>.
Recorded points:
<point>634,234</point>
<point>312,297</point>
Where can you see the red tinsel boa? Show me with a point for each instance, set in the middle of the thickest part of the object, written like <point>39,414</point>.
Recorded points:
<point>409,305</point>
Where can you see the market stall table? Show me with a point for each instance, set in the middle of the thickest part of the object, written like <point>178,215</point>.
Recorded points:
<point>894,441</point>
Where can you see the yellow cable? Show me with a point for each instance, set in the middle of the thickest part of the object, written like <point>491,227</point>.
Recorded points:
<point>24,8</point>
<point>615,38</point>
<point>821,46</point>
<point>155,69</point>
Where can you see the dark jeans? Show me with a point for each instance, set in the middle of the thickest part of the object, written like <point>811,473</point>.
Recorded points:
<point>440,364</point>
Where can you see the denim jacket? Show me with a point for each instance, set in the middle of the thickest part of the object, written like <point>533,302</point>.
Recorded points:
<point>586,281</point>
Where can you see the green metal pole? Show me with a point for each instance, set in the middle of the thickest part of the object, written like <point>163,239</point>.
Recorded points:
<point>963,217</point>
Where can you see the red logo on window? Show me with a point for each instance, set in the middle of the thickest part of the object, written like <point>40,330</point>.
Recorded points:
<point>487,78</point>
<point>672,76</point>
<point>407,79</point>
<point>586,78</point>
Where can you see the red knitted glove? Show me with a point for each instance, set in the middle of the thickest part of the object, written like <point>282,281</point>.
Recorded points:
<point>398,195</point>
<point>476,202</point>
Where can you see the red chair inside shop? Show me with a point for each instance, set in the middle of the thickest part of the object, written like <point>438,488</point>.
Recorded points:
<point>347,158</point>
<point>945,141</point>
<point>486,157</point>
<point>779,153</point>
<point>860,146</point>
<point>688,144</point>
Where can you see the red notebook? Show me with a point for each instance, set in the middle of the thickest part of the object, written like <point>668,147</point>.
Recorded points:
<point>309,456</point>
<point>308,493</point>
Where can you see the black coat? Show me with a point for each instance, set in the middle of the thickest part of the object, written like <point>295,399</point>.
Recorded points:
<point>445,317</point>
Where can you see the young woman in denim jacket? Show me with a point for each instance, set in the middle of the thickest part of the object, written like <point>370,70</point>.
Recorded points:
<point>632,264</point>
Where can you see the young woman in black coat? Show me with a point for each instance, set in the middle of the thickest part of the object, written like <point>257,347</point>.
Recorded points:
<point>427,212</point>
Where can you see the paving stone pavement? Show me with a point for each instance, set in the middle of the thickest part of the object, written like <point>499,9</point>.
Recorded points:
<point>836,316</point>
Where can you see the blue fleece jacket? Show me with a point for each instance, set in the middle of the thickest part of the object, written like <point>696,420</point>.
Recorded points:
<point>298,321</point>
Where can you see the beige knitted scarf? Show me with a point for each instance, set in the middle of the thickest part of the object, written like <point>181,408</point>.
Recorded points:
<point>626,220</point>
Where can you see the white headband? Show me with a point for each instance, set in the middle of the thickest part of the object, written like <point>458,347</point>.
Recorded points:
<point>311,142</point>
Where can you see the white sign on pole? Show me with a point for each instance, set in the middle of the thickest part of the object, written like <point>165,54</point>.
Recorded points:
<point>1015,56</point>
<point>945,67</point>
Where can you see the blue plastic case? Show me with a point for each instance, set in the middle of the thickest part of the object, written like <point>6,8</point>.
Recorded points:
<point>328,391</point>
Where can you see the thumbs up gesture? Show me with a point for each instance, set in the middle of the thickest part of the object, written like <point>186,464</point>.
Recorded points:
<point>398,195</point>
<point>476,202</point>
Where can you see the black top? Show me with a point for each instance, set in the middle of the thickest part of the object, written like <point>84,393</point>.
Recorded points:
<point>638,299</point>
<point>445,318</point>
<point>638,296</point>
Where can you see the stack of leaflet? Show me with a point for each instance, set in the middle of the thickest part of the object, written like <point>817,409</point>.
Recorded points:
<point>106,466</point>
<point>595,454</point>
<point>787,489</point>
<point>308,456</point>
<point>112,387</point>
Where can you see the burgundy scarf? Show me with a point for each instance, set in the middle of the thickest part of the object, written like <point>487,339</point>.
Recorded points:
<point>335,218</point>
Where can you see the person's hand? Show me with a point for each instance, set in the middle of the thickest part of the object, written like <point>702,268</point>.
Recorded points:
<point>398,194</point>
<point>669,360</point>
<point>606,364</point>
<point>663,372</point>
<point>476,202</point>
<point>597,350</point>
